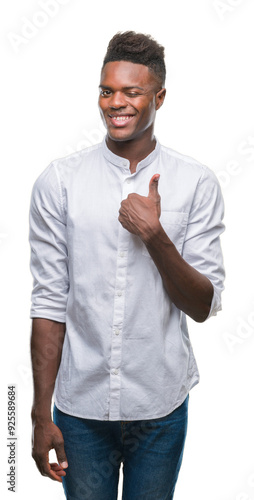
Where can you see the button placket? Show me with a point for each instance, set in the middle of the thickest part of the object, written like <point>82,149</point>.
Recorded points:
<point>119,303</point>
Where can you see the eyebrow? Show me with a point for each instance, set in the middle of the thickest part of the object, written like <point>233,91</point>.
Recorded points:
<point>124,88</point>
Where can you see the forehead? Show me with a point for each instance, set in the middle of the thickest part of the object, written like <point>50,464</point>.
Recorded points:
<point>122,74</point>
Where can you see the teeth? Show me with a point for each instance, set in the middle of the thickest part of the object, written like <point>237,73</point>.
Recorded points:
<point>121,118</point>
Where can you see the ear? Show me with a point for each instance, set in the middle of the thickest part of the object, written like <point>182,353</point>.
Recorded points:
<point>160,96</point>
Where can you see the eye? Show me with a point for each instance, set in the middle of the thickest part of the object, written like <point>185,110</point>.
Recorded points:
<point>132,94</point>
<point>105,93</point>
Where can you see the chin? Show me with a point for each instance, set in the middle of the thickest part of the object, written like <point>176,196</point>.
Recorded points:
<point>119,136</point>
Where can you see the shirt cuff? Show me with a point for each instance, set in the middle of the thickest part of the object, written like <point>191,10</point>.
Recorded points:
<point>215,305</point>
<point>60,318</point>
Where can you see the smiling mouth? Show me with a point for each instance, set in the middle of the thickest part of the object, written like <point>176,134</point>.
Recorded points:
<point>120,120</point>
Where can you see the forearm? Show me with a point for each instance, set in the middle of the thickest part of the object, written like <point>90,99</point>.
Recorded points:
<point>46,349</point>
<point>188,289</point>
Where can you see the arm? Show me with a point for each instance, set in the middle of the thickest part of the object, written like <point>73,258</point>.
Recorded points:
<point>46,349</point>
<point>49,266</point>
<point>190,290</point>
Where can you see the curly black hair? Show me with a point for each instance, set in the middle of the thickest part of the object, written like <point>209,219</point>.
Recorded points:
<point>137,48</point>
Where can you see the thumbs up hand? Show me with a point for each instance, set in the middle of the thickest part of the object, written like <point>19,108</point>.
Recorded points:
<point>140,214</point>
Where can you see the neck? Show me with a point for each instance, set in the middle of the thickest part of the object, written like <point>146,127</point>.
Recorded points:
<point>134,150</point>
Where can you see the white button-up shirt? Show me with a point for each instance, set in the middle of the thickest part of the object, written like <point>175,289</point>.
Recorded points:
<point>126,353</point>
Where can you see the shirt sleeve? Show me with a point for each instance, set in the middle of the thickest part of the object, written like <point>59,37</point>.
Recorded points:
<point>202,247</point>
<point>49,257</point>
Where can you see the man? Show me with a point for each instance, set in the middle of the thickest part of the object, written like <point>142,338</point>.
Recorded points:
<point>125,244</point>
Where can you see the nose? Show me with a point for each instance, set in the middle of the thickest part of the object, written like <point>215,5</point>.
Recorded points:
<point>117,100</point>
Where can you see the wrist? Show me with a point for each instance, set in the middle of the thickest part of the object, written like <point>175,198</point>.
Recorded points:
<point>152,233</point>
<point>41,414</point>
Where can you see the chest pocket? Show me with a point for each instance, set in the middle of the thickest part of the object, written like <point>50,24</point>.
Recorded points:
<point>174,225</point>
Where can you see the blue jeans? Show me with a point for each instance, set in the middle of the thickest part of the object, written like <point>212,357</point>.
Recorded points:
<point>151,452</point>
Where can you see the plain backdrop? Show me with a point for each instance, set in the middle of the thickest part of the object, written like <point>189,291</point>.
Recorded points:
<point>51,58</point>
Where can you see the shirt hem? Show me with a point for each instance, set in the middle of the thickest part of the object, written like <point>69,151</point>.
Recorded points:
<point>130,419</point>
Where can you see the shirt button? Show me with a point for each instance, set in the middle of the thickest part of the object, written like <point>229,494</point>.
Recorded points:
<point>122,254</point>
<point>117,331</point>
<point>128,181</point>
<point>115,371</point>
<point>119,293</point>
<point>125,164</point>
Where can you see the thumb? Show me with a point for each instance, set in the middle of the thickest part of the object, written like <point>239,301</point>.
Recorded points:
<point>61,456</point>
<point>153,186</point>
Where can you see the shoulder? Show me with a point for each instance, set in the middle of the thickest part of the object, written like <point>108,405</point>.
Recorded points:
<point>188,166</point>
<point>68,165</point>
<point>61,170</point>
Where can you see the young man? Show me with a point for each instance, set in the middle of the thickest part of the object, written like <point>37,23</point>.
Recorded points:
<point>125,244</point>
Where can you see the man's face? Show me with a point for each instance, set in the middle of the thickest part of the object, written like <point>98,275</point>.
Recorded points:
<point>129,98</point>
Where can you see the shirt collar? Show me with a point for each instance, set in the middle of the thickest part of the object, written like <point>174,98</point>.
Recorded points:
<point>123,162</point>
